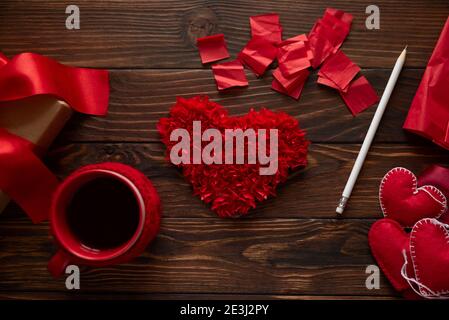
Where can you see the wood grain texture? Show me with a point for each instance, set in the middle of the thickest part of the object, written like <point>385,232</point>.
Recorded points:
<point>139,98</point>
<point>289,247</point>
<point>309,193</point>
<point>46,295</point>
<point>262,256</point>
<point>161,34</point>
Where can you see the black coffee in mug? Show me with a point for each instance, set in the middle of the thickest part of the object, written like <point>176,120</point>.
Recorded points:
<point>103,213</point>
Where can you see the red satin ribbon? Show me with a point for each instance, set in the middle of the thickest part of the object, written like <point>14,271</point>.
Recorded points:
<point>29,74</point>
<point>24,177</point>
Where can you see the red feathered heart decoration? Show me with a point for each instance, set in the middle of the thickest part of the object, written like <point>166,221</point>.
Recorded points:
<point>232,189</point>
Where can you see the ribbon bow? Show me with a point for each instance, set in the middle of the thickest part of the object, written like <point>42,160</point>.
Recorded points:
<point>23,176</point>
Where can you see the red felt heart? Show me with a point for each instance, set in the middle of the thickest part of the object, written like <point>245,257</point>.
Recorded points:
<point>388,240</point>
<point>233,189</point>
<point>429,247</point>
<point>402,200</point>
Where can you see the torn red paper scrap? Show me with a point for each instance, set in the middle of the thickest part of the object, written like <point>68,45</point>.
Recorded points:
<point>266,26</point>
<point>290,83</point>
<point>212,48</point>
<point>320,45</point>
<point>340,14</point>
<point>295,93</point>
<point>337,31</point>
<point>360,95</point>
<point>329,83</point>
<point>229,74</point>
<point>293,58</point>
<point>257,55</point>
<point>339,69</point>
<point>328,34</point>
<point>300,37</point>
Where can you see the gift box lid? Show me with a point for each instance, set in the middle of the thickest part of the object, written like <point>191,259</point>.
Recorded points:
<point>38,119</point>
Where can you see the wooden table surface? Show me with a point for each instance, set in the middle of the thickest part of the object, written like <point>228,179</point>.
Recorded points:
<point>291,246</point>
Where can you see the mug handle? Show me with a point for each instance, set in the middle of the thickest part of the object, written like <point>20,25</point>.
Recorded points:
<point>58,263</point>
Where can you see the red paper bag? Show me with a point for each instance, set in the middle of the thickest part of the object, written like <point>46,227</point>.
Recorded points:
<point>429,113</point>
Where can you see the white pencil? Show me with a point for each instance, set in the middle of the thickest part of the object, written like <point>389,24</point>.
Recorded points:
<point>371,132</point>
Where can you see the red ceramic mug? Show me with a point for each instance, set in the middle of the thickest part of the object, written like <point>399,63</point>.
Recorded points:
<point>103,214</point>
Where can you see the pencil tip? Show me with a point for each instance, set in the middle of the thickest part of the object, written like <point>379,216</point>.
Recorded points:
<point>403,54</point>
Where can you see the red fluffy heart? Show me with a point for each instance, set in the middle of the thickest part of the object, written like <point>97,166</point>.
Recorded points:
<point>233,189</point>
<point>429,247</point>
<point>403,201</point>
<point>388,240</point>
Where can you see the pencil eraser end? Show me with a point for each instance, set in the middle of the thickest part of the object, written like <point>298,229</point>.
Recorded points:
<point>339,210</point>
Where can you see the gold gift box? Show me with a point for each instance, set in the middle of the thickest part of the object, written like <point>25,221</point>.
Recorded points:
<point>38,119</point>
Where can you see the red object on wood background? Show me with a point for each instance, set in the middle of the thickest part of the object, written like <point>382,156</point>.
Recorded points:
<point>402,200</point>
<point>294,57</point>
<point>437,176</point>
<point>360,95</point>
<point>429,113</point>
<point>212,48</point>
<point>71,249</point>
<point>29,74</point>
<point>24,177</point>
<point>340,70</point>
<point>229,74</point>
<point>233,189</point>
<point>258,54</point>
<point>388,240</point>
<point>266,26</point>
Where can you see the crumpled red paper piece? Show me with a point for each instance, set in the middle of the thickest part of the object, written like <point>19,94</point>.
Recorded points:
<point>296,54</point>
<point>429,112</point>
<point>294,92</point>
<point>266,26</point>
<point>212,48</point>
<point>299,37</point>
<point>258,54</point>
<point>290,83</point>
<point>328,34</point>
<point>294,57</point>
<point>229,74</point>
<point>360,95</point>
<point>340,70</point>
<point>344,17</point>
<point>329,83</point>
<point>233,189</point>
<point>340,24</point>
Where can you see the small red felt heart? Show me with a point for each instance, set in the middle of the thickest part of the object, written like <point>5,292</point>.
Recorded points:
<point>429,247</point>
<point>233,189</point>
<point>402,200</point>
<point>388,240</point>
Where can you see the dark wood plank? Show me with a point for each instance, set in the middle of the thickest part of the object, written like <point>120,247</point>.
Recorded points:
<point>309,193</point>
<point>161,34</point>
<point>70,295</point>
<point>263,256</point>
<point>140,98</point>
